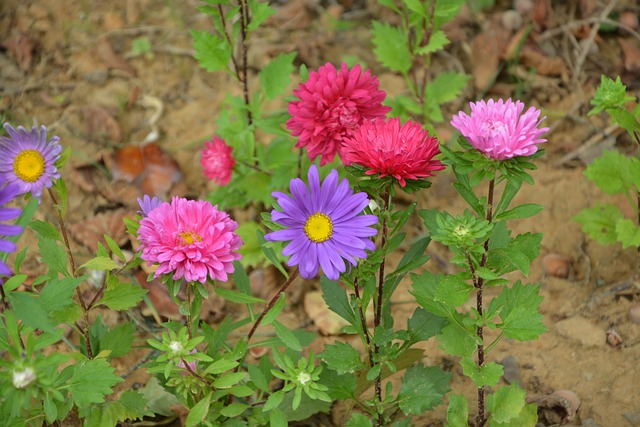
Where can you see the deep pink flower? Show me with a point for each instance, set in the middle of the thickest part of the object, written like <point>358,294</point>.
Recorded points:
<point>332,105</point>
<point>217,161</point>
<point>388,148</point>
<point>497,128</point>
<point>190,239</point>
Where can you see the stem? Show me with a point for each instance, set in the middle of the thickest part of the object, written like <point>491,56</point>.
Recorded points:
<point>228,38</point>
<point>244,23</point>
<point>65,237</point>
<point>189,314</point>
<point>480,420</point>
<point>378,313</point>
<point>254,167</point>
<point>363,322</point>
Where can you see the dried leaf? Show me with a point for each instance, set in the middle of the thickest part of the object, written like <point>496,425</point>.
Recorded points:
<point>327,322</point>
<point>100,124</point>
<point>485,56</point>
<point>630,53</point>
<point>111,59</point>
<point>20,47</point>
<point>161,171</point>
<point>542,13</point>
<point>91,230</point>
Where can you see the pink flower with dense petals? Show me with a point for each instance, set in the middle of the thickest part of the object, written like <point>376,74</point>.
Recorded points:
<point>500,130</point>
<point>191,239</point>
<point>386,147</point>
<point>217,161</point>
<point>332,104</point>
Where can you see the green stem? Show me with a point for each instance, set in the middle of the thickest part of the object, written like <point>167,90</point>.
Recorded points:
<point>189,313</point>
<point>363,322</point>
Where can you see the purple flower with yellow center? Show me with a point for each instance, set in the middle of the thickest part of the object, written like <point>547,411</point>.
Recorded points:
<point>8,193</point>
<point>147,204</point>
<point>323,224</point>
<point>28,160</point>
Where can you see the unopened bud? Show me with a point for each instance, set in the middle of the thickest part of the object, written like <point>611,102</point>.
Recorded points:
<point>21,379</point>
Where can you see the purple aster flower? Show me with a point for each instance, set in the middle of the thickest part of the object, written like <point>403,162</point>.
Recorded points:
<point>8,193</point>
<point>500,130</point>
<point>324,225</point>
<point>28,159</point>
<point>147,204</point>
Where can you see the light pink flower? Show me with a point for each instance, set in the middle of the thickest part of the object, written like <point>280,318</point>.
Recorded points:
<point>191,239</point>
<point>500,130</point>
<point>187,366</point>
<point>388,148</point>
<point>217,161</point>
<point>332,104</point>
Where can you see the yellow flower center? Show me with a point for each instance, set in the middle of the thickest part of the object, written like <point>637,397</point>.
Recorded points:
<point>29,165</point>
<point>189,237</point>
<point>318,227</point>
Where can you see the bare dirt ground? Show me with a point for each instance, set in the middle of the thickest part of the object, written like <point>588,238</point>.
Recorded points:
<point>71,66</point>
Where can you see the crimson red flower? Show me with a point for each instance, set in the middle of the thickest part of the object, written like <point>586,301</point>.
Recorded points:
<point>217,161</point>
<point>388,148</point>
<point>331,105</point>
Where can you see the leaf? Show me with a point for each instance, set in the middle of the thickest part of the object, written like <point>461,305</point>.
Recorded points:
<point>443,88</point>
<point>54,256</point>
<point>28,308</point>
<point>437,41</point>
<point>277,418</point>
<point>119,339</point>
<point>228,380</point>
<point>212,51</point>
<point>518,255</point>
<point>275,76</point>
<point>340,387</point>
<point>359,420</point>
<point>611,172</point>
<point>14,282</point>
<point>114,247</point>
<point>45,229</point>
<point>336,298</point>
<point>260,11</point>
<point>423,325</point>
<point>121,295</point>
<point>446,10</point>
<point>422,388</point>
<point>391,47</point>
<point>600,222</point>
<point>506,403</point>
<point>275,310</point>
<point>241,279</point>
<point>487,375</point>
<point>425,288</point>
<point>237,297</point>
<point>628,233</point>
<point>102,263</point>
<point>287,337</point>
<point>519,311</point>
<point>342,358</point>
<point>91,381</point>
<point>56,297</point>
<point>158,399</point>
<point>523,211</point>
<point>456,340</point>
<point>458,411</point>
<point>234,409</point>
<point>528,417</point>
<point>199,411</point>
<point>252,255</point>
<point>130,406</point>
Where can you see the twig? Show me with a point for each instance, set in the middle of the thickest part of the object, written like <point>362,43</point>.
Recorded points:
<point>610,131</point>
<point>578,23</point>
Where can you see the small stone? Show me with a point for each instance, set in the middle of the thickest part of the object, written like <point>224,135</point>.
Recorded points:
<point>629,19</point>
<point>523,6</point>
<point>580,329</point>
<point>634,313</point>
<point>511,370</point>
<point>589,422</point>
<point>557,265</point>
<point>571,397</point>
<point>633,418</point>
<point>511,20</point>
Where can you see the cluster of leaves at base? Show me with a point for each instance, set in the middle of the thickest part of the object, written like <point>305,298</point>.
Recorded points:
<point>613,172</point>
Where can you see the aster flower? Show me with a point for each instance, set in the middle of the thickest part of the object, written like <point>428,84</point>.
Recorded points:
<point>332,104</point>
<point>388,148</point>
<point>500,130</point>
<point>190,239</point>
<point>147,204</point>
<point>28,159</point>
<point>323,225</point>
<point>8,193</point>
<point>217,161</point>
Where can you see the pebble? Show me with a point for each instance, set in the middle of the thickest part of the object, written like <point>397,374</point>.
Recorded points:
<point>523,6</point>
<point>511,20</point>
<point>634,313</point>
<point>580,329</point>
<point>629,19</point>
<point>511,370</point>
<point>589,422</point>
<point>633,418</point>
<point>556,265</point>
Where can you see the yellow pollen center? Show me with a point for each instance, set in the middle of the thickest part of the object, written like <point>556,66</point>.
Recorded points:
<point>189,237</point>
<point>29,165</point>
<point>318,227</point>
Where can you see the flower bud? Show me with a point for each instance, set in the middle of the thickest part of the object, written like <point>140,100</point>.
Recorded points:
<point>21,379</point>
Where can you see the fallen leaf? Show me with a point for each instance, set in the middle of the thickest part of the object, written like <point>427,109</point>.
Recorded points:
<point>20,47</point>
<point>530,55</point>
<point>630,53</point>
<point>111,59</point>
<point>100,124</point>
<point>542,13</point>
<point>327,322</point>
<point>90,231</point>
<point>486,50</point>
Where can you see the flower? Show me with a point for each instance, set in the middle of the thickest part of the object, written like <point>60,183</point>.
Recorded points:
<point>191,239</point>
<point>390,149</point>
<point>148,204</point>
<point>498,129</point>
<point>28,159</point>
<point>331,105</point>
<point>323,225</point>
<point>185,366</point>
<point>217,161</point>
<point>21,379</point>
<point>8,193</point>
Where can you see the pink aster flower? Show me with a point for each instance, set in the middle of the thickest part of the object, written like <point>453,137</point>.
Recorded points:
<point>190,239</point>
<point>386,147</point>
<point>332,104</point>
<point>500,130</point>
<point>217,161</point>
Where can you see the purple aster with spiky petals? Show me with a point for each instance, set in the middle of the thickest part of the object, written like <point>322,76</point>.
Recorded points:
<point>8,193</point>
<point>28,159</point>
<point>147,204</point>
<point>500,130</point>
<point>323,224</point>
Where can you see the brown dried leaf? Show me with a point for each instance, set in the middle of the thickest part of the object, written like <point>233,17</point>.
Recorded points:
<point>294,15</point>
<point>327,322</point>
<point>630,53</point>
<point>542,13</point>
<point>100,124</point>
<point>485,57</point>
<point>111,59</point>
<point>20,47</point>
<point>91,231</point>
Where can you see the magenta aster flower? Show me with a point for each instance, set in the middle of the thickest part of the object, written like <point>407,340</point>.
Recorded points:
<point>190,239</point>
<point>388,148</point>
<point>217,161</point>
<point>147,204</point>
<point>323,225</point>
<point>498,129</point>
<point>332,105</point>
<point>8,193</point>
<point>28,159</point>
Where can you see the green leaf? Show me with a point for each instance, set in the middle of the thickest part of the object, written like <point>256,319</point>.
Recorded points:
<point>54,256</point>
<point>114,247</point>
<point>277,418</point>
<point>275,310</point>
<point>270,254</point>
<point>359,420</point>
<point>119,339</point>
<point>130,406</point>
<point>523,211</point>
<point>241,279</point>
<point>391,47</point>
<point>437,41</point>
<point>337,300</point>
<point>252,255</point>
<point>425,288</point>
<point>14,282</point>
<point>423,325</point>
<point>340,387</point>
<point>487,375</point>
<point>228,380</point>
<point>234,409</point>
<point>287,337</point>
<point>158,399</point>
<point>517,255</point>
<point>446,10</point>
<point>220,366</point>
<point>237,297</point>
<point>276,75</point>
<point>28,308</point>
<point>260,11</point>
<point>628,233</point>
<point>519,310</point>
<point>506,403</point>
<point>57,295</point>
<point>455,339</point>
<point>600,222</point>
<point>528,417</point>
<point>342,358</point>
<point>199,411</point>
<point>212,51</point>
<point>458,411</point>
<point>103,263</point>
<point>91,381</point>
<point>121,295</point>
<point>611,172</point>
<point>257,376</point>
<point>610,94</point>
<point>45,229</point>
<point>443,88</point>
<point>422,388</point>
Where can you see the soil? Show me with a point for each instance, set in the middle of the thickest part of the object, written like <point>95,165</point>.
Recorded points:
<point>71,66</point>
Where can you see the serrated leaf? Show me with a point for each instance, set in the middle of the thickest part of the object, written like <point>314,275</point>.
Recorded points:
<point>523,211</point>
<point>600,222</point>
<point>457,411</point>
<point>487,375</point>
<point>519,311</point>
<point>158,399</point>
<point>260,11</point>
<point>528,417</point>
<point>611,172</point>
<point>391,47</point>
<point>57,294</point>
<point>359,420</point>
<point>425,288</point>
<point>45,229</point>
<point>422,388</point>
<point>423,325</point>
<point>437,41</point>
<point>212,51</point>
<point>446,87</point>
<point>287,337</point>
<point>456,340</point>
<point>276,75</point>
<point>518,255</point>
<point>91,381</point>
<point>119,339</point>
<point>28,308</point>
<point>102,263</point>
<point>628,233</point>
<point>130,406</point>
<point>121,295</point>
<point>342,358</point>
<point>506,403</point>
<point>54,256</point>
